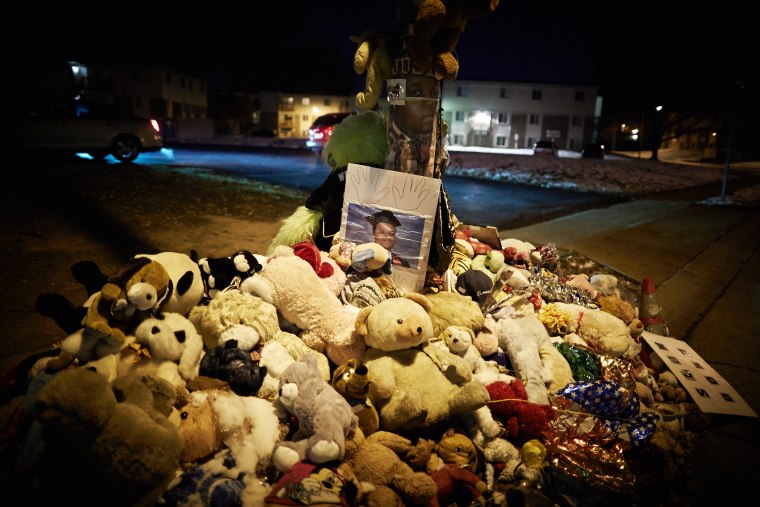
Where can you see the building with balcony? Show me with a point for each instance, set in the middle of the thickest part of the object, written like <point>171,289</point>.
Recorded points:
<point>478,113</point>
<point>273,113</point>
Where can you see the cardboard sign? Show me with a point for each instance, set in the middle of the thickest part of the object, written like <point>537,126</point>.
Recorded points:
<point>711,392</point>
<point>408,202</point>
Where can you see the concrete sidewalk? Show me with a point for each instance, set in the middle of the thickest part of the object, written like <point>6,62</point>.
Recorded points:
<point>705,263</point>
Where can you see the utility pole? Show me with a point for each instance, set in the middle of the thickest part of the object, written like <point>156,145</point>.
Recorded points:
<point>739,88</point>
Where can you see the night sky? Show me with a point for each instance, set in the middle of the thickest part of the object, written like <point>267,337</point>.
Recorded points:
<point>637,52</point>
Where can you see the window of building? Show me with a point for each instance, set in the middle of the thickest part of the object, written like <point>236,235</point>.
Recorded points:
<point>461,91</point>
<point>580,96</point>
<point>176,109</point>
<point>575,121</point>
<point>305,101</point>
<point>503,118</point>
<point>168,78</point>
<point>304,117</point>
<point>458,139</point>
<point>158,106</point>
<point>505,93</point>
<point>534,119</point>
<point>328,102</point>
<point>530,142</point>
<point>536,95</point>
<point>501,140</point>
<point>459,116</point>
<point>574,144</point>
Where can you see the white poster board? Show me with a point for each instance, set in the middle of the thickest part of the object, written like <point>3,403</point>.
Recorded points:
<point>411,199</point>
<point>711,392</point>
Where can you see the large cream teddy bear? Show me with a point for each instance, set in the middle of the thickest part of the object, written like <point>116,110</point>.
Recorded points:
<point>413,383</point>
<point>291,285</point>
<point>601,331</point>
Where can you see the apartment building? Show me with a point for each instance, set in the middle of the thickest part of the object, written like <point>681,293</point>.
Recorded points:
<point>478,113</point>
<point>516,115</point>
<point>274,113</point>
<point>177,99</point>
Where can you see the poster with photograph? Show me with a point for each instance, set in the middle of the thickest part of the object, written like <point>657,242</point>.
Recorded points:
<point>711,392</point>
<point>397,211</point>
<point>412,124</point>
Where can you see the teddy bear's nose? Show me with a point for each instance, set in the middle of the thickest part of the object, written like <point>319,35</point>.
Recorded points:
<point>419,329</point>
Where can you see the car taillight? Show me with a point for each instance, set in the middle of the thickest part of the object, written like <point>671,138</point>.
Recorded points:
<point>154,124</point>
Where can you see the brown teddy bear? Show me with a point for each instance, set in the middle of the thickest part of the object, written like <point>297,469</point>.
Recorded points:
<point>375,460</point>
<point>352,382</point>
<point>434,30</point>
<point>116,437</point>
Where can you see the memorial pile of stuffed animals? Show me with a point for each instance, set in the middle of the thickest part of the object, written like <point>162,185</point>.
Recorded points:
<point>305,375</point>
<point>294,379</point>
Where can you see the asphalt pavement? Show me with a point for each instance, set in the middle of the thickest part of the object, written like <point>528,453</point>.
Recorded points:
<point>705,264</point>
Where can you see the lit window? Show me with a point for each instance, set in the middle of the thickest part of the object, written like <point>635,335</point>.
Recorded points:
<point>305,101</point>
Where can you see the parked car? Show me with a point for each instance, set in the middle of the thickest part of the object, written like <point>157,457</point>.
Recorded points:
<point>545,147</point>
<point>594,150</point>
<point>320,131</point>
<point>74,126</point>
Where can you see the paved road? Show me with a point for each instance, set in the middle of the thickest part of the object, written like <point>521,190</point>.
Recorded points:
<point>305,171</point>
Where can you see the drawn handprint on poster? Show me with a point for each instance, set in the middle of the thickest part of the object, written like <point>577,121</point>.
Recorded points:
<point>396,210</point>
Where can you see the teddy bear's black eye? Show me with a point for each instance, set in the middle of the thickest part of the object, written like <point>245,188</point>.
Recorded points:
<point>458,449</point>
<point>155,330</point>
<point>184,415</point>
<point>400,321</point>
